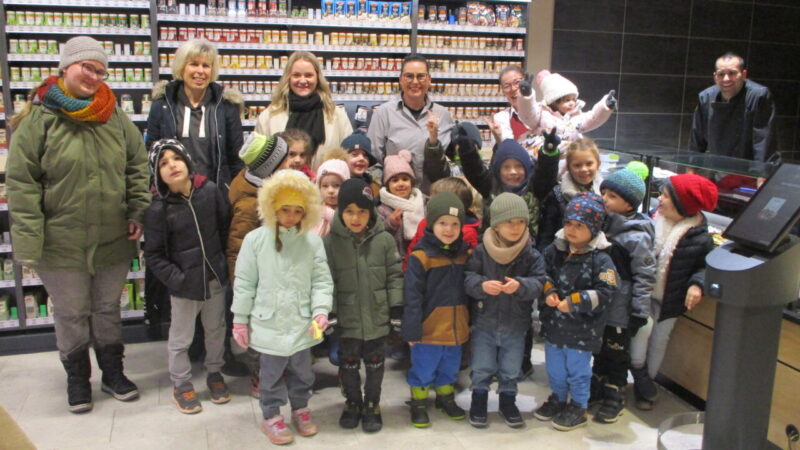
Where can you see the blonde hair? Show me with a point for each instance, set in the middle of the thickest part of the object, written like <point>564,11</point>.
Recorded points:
<point>191,50</point>
<point>280,99</point>
<point>579,145</point>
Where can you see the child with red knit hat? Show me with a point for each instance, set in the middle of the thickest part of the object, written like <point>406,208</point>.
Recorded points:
<point>682,243</point>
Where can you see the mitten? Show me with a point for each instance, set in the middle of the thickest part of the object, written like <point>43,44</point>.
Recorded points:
<point>634,323</point>
<point>611,101</point>
<point>551,142</point>
<point>525,85</point>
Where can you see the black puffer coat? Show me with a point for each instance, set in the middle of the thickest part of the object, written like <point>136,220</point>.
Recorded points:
<point>185,239</point>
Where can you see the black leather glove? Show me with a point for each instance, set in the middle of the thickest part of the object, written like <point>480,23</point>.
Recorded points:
<point>551,141</point>
<point>332,322</point>
<point>634,323</point>
<point>611,100</point>
<point>525,85</point>
<point>396,318</point>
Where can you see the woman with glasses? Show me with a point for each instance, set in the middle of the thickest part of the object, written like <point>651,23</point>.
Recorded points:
<point>506,124</point>
<point>77,188</point>
<point>303,100</point>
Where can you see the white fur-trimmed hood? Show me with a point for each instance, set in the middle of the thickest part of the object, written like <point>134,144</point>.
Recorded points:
<point>296,180</point>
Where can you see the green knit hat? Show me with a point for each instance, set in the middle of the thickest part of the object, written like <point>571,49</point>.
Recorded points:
<point>444,204</point>
<point>263,154</point>
<point>507,206</point>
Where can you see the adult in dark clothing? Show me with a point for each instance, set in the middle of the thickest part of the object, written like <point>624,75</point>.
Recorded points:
<point>736,116</point>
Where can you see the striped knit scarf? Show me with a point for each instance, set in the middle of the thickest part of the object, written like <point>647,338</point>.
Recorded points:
<point>54,95</point>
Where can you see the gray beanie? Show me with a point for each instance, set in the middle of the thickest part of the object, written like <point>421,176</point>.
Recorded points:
<point>507,206</point>
<point>82,48</point>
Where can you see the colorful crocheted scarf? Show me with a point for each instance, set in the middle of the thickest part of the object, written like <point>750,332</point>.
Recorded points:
<point>54,95</point>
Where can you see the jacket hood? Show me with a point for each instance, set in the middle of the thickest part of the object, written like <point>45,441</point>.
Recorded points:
<point>292,179</point>
<point>168,89</point>
<point>600,242</point>
<point>197,182</point>
<point>429,241</point>
<point>617,223</point>
<point>159,147</point>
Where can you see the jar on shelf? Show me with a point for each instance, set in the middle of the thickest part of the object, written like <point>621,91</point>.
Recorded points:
<point>126,103</point>
<point>146,103</point>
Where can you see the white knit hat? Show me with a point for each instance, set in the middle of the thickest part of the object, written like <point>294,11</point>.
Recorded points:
<point>82,48</point>
<point>554,86</point>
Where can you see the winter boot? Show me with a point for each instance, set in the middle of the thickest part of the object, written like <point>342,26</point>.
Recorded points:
<point>572,416</point>
<point>419,407</point>
<point>446,402</point>
<point>351,414</point>
<point>613,403</point>
<point>644,388</point>
<point>79,390</point>
<point>109,358</point>
<point>509,411</point>
<point>372,422</point>
<point>596,389</point>
<point>550,409</point>
<point>478,415</point>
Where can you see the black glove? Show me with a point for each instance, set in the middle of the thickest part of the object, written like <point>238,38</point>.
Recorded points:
<point>611,101</point>
<point>525,85</point>
<point>634,323</point>
<point>332,322</point>
<point>396,318</point>
<point>551,141</point>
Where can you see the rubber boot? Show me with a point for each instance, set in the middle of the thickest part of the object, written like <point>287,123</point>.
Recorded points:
<point>446,402</point>
<point>419,407</point>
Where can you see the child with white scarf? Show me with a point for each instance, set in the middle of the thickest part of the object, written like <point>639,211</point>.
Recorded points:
<point>402,204</point>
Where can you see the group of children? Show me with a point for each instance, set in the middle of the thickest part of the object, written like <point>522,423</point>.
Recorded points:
<point>334,251</point>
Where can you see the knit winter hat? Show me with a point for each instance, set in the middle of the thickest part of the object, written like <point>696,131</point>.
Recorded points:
<point>508,149</point>
<point>627,184</point>
<point>554,86</point>
<point>356,190</point>
<point>263,154</point>
<point>508,206</point>
<point>444,204</point>
<point>333,167</point>
<point>586,208</point>
<point>81,48</point>
<point>466,130</point>
<point>288,196</point>
<point>360,141</point>
<point>691,193</point>
<point>397,164</point>
<point>158,148</point>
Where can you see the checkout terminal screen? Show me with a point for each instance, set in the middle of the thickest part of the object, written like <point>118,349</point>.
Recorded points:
<point>770,213</point>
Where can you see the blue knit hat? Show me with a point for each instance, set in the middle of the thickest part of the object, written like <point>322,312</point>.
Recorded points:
<point>627,184</point>
<point>586,208</point>
<point>509,149</point>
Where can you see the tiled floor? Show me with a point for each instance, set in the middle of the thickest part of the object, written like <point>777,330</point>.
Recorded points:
<point>32,389</point>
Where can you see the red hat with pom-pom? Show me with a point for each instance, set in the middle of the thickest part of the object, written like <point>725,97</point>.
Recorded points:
<point>692,193</point>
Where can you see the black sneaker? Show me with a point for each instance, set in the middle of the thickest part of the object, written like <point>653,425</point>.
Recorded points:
<point>419,413</point>
<point>371,421</point>
<point>350,416</point>
<point>612,406</point>
<point>185,398</point>
<point>447,404</point>
<point>596,389</point>
<point>217,388</point>
<point>550,409</point>
<point>572,416</point>
<point>509,411</point>
<point>478,415</point>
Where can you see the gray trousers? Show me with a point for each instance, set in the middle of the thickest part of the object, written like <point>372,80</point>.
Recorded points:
<point>86,306</point>
<point>275,388</point>
<point>181,333</point>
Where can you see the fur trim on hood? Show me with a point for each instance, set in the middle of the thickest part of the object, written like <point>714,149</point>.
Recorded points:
<point>296,180</point>
<point>231,95</point>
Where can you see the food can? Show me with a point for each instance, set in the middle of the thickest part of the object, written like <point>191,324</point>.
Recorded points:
<point>382,39</point>
<point>130,76</point>
<point>351,63</point>
<point>138,48</point>
<point>38,17</point>
<point>58,19</point>
<point>251,61</point>
<point>122,20</point>
<point>30,18</point>
<point>13,46</point>
<point>284,36</point>
<point>26,74</point>
<point>147,48</point>
<point>251,87</point>
<point>138,74</point>
<point>144,21</point>
<point>48,19</point>
<point>116,74</point>
<point>384,63</point>
<point>16,75</point>
<point>134,19</point>
<point>33,46</point>
<point>226,61</point>
<point>276,36</point>
<point>260,62</point>
<point>162,60</point>
<point>284,60</point>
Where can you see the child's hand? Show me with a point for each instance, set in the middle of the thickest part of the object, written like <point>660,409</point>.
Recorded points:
<point>322,323</point>
<point>492,287</point>
<point>494,127</point>
<point>241,335</point>
<point>511,286</point>
<point>552,300</point>
<point>433,126</point>
<point>693,296</point>
<point>563,306</point>
<point>396,218</point>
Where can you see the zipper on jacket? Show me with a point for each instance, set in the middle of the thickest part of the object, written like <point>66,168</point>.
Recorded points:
<point>216,132</point>
<point>202,248</point>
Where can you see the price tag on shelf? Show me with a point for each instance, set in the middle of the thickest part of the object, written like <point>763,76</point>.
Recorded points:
<point>9,324</point>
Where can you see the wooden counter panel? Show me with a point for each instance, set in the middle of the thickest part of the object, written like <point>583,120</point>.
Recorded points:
<point>785,403</point>
<point>687,361</point>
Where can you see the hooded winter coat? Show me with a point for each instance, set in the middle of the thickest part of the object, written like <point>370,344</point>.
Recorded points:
<point>243,197</point>
<point>367,278</point>
<point>569,126</point>
<point>551,218</point>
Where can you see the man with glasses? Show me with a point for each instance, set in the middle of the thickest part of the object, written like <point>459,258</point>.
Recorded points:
<point>736,116</point>
<point>411,120</point>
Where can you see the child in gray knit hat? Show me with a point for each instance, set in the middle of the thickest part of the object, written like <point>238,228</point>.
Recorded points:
<point>505,274</point>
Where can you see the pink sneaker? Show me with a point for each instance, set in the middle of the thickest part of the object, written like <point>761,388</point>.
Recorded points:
<point>303,422</point>
<point>277,431</point>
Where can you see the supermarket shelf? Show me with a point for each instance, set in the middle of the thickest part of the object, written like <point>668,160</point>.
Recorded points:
<point>138,117</point>
<point>128,4</point>
<point>78,30</point>
<point>7,284</point>
<point>132,314</point>
<point>348,73</point>
<point>32,282</point>
<point>249,123</point>
<point>471,52</point>
<point>386,97</point>
<point>2,116</point>
<point>6,248</point>
<point>112,85</point>
<point>8,325</point>
<point>470,28</point>
<point>3,206</point>
<point>136,275</point>
<point>293,47</point>
<point>342,23</point>
<point>38,322</point>
<point>42,57</point>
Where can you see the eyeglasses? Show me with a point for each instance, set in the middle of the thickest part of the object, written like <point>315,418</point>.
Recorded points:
<point>418,76</point>
<point>512,85</point>
<point>731,73</point>
<point>90,71</point>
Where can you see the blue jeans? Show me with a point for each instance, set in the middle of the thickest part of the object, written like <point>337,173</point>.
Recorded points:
<point>495,353</point>
<point>570,372</point>
<point>435,365</point>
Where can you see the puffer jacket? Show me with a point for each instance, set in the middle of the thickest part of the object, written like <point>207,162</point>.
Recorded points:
<point>435,309</point>
<point>73,188</point>
<point>367,278</point>
<point>586,281</point>
<point>243,197</point>
<point>225,126</point>
<point>505,313</point>
<point>185,238</point>
<point>632,239</point>
<point>551,218</point>
<point>569,126</point>
<point>279,293</point>
<point>469,234</point>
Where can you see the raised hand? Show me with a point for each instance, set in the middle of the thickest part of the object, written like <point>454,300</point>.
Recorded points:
<point>611,100</point>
